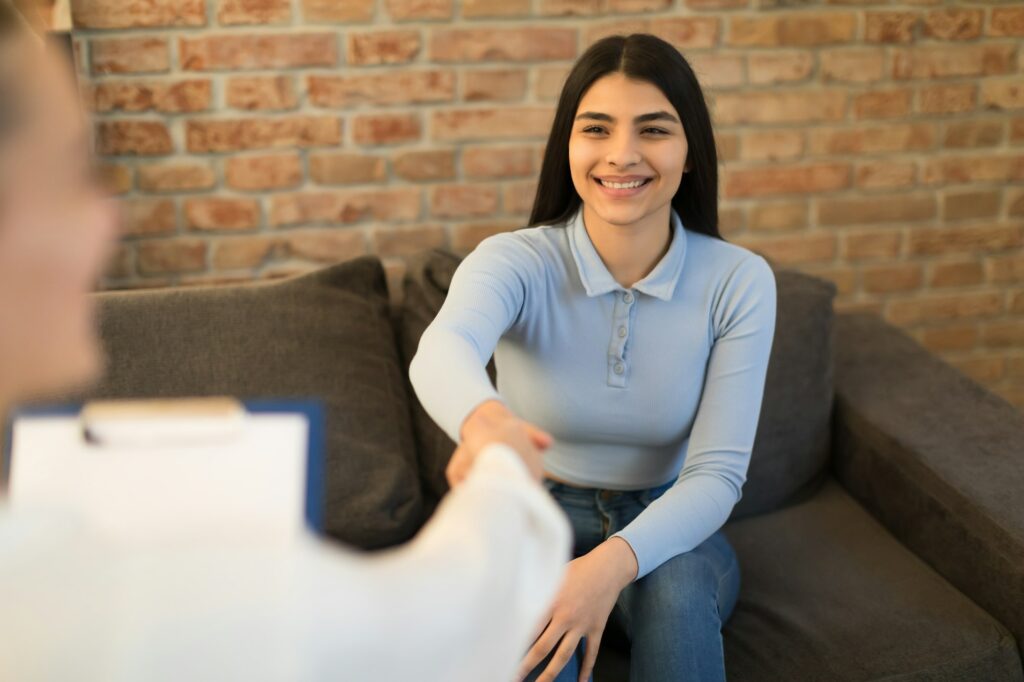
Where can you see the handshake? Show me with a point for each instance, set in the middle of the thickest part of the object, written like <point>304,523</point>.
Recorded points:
<point>492,422</point>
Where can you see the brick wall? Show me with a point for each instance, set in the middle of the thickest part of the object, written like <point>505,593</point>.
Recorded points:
<point>875,144</point>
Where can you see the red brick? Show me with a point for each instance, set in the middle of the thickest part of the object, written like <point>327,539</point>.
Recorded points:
<point>963,240</point>
<point>982,369</point>
<point>346,169</point>
<point>950,337</point>
<point>595,32</point>
<point>114,178</point>
<point>399,87</point>
<point>1006,269</point>
<point>479,9</point>
<point>633,6</point>
<point>779,107</point>
<point>687,33</point>
<point>220,135</point>
<point>219,213</point>
<point>137,14</point>
<point>790,250</point>
<point>374,129</point>
<point>345,206</point>
<point>467,236</point>
<point>326,245</point>
<point>133,137</point>
<point>717,4</point>
<point>731,221</point>
<point>550,79</point>
<point>875,139</point>
<point>407,241</point>
<point>269,171</point>
<point>1015,203</point>
<point>494,85</point>
<point>956,274</point>
<point>121,264</point>
<point>1017,130</point>
<point>953,23</point>
<point>1006,21</point>
<point>779,67</point>
<point>175,177</point>
<point>844,278</point>
<point>944,307</point>
<point>961,205</point>
<point>852,65</point>
<point>803,29</point>
<point>337,11</point>
<point>972,134</point>
<point>890,208</point>
<point>890,27</point>
<point>953,60</point>
<point>147,216</point>
<point>755,182</point>
<point>882,104</point>
<point>129,55</point>
<point>261,93</point>
<point>947,99</point>
<point>959,169</point>
<point>492,124</point>
<point>778,216</point>
<point>250,251</point>
<point>518,197</point>
<point>1002,334</point>
<point>162,96</point>
<point>887,278</point>
<point>871,244</point>
<point>771,145</point>
<point>383,47</point>
<point>415,10</point>
<point>717,71</point>
<point>168,256</point>
<point>464,201</point>
<point>562,8</point>
<point>885,174</point>
<point>430,164</point>
<point>502,44</point>
<point>233,12</point>
<point>497,162</point>
<point>257,51</point>
<point>1017,302</point>
<point>1002,94</point>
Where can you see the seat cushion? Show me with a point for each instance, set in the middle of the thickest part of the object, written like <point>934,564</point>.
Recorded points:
<point>325,335</point>
<point>791,449</point>
<point>828,594</point>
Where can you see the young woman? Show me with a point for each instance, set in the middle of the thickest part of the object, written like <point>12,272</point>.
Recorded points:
<point>633,339</point>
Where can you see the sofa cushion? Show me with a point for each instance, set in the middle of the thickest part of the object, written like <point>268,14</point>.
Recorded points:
<point>324,335</point>
<point>791,449</point>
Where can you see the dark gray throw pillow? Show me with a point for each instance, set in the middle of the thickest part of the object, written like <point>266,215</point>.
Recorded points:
<point>325,335</point>
<point>792,446</point>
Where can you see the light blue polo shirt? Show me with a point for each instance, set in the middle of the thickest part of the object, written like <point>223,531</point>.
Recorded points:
<point>638,386</point>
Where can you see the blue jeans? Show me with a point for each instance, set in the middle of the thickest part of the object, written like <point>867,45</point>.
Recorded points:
<point>674,615</point>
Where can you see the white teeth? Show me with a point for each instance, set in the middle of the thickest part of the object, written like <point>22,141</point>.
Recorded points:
<point>622,185</point>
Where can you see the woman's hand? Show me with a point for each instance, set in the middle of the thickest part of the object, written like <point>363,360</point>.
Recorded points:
<point>592,585</point>
<point>493,422</point>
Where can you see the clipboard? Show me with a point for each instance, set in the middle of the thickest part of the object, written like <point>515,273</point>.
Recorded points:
<point>259,478</point>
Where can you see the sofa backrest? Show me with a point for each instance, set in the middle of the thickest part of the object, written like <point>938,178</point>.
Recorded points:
<point>325,335</point>
<point>791,449</point>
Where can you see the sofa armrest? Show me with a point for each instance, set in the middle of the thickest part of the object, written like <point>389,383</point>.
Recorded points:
<point>937,458</point>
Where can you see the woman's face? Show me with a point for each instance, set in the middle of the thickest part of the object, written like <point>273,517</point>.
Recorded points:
<point>56,229</point>
<point>627,150</point>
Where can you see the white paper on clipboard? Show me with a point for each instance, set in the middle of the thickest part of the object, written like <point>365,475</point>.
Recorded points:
<point>247,488</point>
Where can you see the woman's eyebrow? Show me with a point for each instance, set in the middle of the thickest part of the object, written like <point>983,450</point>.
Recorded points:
<point>642,118</point>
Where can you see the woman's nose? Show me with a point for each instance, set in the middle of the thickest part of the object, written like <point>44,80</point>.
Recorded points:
<point>623,151</point>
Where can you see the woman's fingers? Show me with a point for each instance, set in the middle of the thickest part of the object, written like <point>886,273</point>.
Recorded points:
<point>541,439</point>
<point>540,649</point>
<point>590,655</point>
<point>566,650</point>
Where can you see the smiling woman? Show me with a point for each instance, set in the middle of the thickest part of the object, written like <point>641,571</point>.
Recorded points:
<point>631,342</point>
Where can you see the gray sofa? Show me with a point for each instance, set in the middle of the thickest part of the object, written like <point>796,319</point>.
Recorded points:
<point>881,530</point>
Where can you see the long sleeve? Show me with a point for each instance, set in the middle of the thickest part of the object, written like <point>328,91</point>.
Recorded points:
<point>485,297</point>
<point>458,603</point>
<point>720,442</point>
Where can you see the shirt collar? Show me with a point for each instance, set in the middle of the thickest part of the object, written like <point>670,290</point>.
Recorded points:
<point>659,282</point>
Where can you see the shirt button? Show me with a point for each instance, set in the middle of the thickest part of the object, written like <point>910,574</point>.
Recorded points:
<point>628,297</point>
<point>622,331</point>
<point>619,368</point>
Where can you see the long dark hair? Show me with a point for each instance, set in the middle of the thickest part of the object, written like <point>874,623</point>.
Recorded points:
<point>643,57</point>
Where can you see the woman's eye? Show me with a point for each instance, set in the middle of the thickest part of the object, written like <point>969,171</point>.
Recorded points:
<point>593,129</point>
<point>655,131</point>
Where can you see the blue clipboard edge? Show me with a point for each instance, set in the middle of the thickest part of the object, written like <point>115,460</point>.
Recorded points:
<point>313,410</point>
